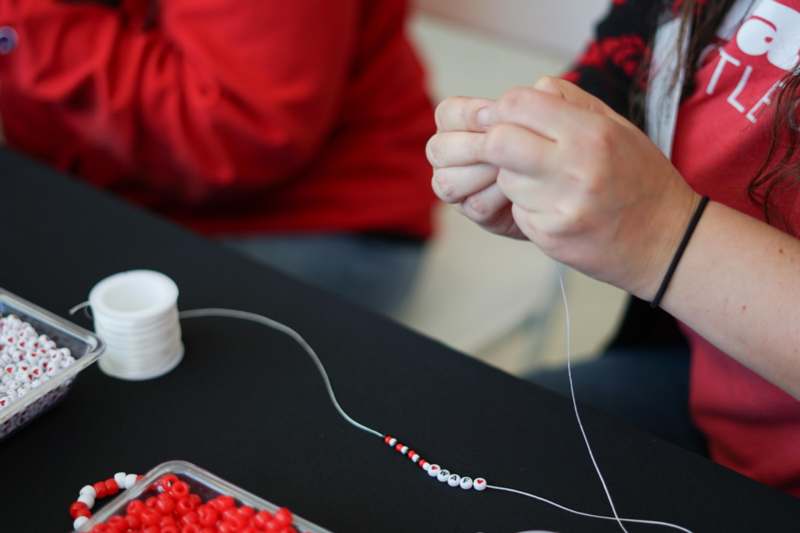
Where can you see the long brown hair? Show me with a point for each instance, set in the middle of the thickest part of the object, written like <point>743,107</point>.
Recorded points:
<point>779,173</point>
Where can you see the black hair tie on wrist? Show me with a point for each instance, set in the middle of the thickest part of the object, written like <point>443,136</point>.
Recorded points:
<point>679,252</point>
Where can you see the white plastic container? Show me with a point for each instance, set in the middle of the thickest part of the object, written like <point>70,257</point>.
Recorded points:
<point>200,482</point>
<point>84,346</point>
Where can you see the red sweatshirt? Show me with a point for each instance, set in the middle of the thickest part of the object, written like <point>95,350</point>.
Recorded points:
<point>723,136</point>
<point>241,117</point>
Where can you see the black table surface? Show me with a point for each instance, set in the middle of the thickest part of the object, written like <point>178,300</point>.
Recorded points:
<point>247,404</point>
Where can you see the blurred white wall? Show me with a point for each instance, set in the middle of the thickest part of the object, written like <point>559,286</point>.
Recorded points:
<point>555,26</point>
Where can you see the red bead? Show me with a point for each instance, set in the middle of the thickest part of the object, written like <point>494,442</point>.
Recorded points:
<point>100,490</point>
<point>232,515</point>
<point>274,525</point>
<point>184,505</point>
<point>220,503</point>
<point>228,527</point>
<point>167,481</point>
<point>135,507</point>
<point>284,516</point>
<point>246,511</point>
<point>208,515</point>
<point>170,529</point>
<point>151,529</point>
<point>79,509</point>
<point>150,517</point>
<point>262,518</point>
<point>179,489</point>
<point>117,522</point>
<point>387,439</point>
<point>398,446</point>
<point>190,518</point>
<point>133,520</point>
<point>111,487</point>
<point>165,504</point>
<point>191,528</point>
<point>151,502</point>
<point>288,529</point>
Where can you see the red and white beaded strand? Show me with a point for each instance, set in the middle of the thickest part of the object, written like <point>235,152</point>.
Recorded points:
<point>434,470</point>
<point>81,509</point>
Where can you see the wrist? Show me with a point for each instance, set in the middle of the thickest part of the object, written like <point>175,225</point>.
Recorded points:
<point>665,231</point>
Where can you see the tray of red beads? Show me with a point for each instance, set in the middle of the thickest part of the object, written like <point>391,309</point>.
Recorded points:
<point>179,497</point>
<point>40,356</point>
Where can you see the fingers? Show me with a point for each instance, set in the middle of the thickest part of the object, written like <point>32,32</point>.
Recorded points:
<point>518,149</point>
<point>491,210</point>
<point>484,206</point>
<point>454,184</point>
<point>506,145</point>
<point>461,113</point>
<point>455,148</point>
<point>547,114</point>
<point>527,193</point>
<point>539,228</point>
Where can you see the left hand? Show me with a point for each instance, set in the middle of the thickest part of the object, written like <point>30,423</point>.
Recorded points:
<point>585,185</point>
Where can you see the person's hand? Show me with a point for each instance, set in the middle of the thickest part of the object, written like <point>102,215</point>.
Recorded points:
<point>559,167</point>
<point>460,177</point>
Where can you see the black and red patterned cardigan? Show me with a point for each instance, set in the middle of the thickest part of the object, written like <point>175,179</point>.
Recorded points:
<point>610,64</point>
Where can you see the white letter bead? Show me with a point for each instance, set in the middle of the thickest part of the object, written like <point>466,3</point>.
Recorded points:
<point>443,475</point>
<point>454,480</point>
<point>130,481</point>
<point>434,470</point>
<point>479,484</point>
<point>88,499</point>
<point>119,477</point>
<point>466,483</point>
<point>79,522</point>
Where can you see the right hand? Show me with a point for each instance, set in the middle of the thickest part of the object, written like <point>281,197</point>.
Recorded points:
<point>471,185</point>
<point>461,180</point>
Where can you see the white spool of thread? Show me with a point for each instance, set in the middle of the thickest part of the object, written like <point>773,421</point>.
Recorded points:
<point>136,315</point>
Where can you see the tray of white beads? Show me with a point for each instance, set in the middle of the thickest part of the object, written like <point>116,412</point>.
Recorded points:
<point>40,355</point>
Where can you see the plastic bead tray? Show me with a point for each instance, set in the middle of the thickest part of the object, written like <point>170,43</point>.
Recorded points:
<point>85,348</point>
<point>201,482</point>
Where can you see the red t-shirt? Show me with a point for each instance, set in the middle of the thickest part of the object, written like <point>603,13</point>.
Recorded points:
<point>722,138</point>
<point>231,117</point>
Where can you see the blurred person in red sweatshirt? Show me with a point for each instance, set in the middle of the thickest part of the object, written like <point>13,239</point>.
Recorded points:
<point>295,131</point>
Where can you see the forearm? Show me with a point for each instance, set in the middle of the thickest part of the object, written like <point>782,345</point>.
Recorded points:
<point>738,285</point>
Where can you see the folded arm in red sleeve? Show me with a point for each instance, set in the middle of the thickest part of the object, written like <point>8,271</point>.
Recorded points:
<point>215,96</point>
